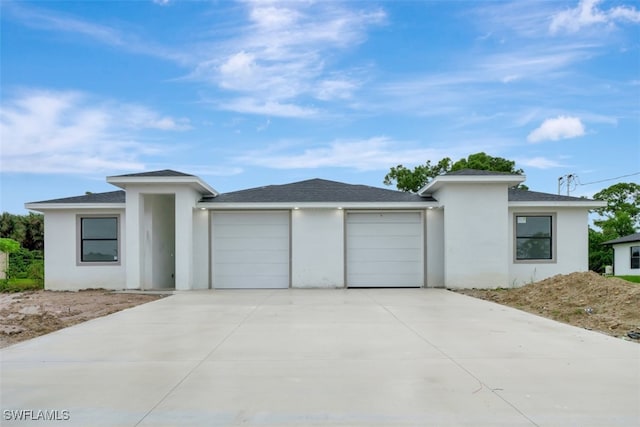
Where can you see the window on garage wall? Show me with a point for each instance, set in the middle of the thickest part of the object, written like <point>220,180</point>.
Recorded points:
<point>635,257</point>
<point>98,240</point>
<point>535,238</point>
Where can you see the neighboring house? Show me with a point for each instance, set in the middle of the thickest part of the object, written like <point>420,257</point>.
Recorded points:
<point>167,229</point>
<point>626,255</point>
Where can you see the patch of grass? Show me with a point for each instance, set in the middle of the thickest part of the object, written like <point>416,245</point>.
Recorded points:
<point>20,285</point>
<point>634,279</point>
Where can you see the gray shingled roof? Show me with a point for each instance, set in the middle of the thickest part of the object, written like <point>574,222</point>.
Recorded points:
<point>624,239</point>
<point>518,195</point>
<point>161,173</point>
<point>109,197</point>
<point>316,190</point>
<point>477,172</point>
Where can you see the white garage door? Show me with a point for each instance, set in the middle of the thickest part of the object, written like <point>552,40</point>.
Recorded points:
<point>385,249</point>
<point>250,250</point>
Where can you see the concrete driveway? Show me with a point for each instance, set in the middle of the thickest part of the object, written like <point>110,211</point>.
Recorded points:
<point>405,357</point>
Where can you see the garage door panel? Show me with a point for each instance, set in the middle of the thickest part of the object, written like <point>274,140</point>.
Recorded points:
<point>248,244</point>
<point>390,230</point>
<point>382,268</point>
<point>236,231</point>
<point>252,270</point>
<point>389,242</point>
<point>389,217</point>
<point>250,249</point>
<point>250,218</point>
<point>255,256</point>
<point>385,256</point>
<point>385,249</point>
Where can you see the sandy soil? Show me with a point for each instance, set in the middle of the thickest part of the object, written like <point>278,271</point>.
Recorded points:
<point>26,315</point>
<point>588,300</point>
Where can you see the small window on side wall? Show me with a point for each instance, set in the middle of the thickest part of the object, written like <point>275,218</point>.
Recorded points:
<point>534,238</point>
<point>99,240</point>
<point>635,257</point>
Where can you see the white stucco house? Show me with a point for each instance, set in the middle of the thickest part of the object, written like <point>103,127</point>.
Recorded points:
<point>171,230</point>
<point>626,255</point>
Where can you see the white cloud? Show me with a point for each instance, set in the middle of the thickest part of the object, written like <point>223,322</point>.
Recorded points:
<point>285,52</point>
<point>587,13</point>
<point>562,127</point>
<point>539,163</point>
<point>48,20</point>
<point>140,117</point>
<point>70,132</point>
<point>162,2</point>
<point>273,17</point>
<point>378,153</point>
<point>268,108</point>
<point>335,89</point>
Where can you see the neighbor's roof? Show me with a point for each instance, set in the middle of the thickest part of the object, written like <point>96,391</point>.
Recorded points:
<point>316,190</point>
<point>635,237</point>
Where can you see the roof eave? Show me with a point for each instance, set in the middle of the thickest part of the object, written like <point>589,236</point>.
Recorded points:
<point>441,180</point>
<point>613,242</point>
<point>40,207</point>
<point>193,181</point>
<point>591,204</point>
<point>315,205</point>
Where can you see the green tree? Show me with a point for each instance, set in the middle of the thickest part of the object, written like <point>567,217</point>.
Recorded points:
<point>28,230</point>
<point>7,247</point>
<point>620,217</point>
<point>482,161</point>
<point>623,199</point>
<point>599,255</point>
<point>11,226</point>
<point>412,180</point>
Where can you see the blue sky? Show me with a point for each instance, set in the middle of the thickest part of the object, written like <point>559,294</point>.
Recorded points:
<point>250,93</point>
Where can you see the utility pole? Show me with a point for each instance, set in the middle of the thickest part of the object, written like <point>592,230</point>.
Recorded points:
<point>560,181</point>
<point>566,179</point>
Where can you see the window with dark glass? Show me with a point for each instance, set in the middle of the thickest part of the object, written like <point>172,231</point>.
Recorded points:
<point>99,240</point>
<point>533,237</point>
<point>635,256</point>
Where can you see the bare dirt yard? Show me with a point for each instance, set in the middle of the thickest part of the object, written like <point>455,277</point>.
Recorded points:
<point>26,315</point>
<point>588,300</point>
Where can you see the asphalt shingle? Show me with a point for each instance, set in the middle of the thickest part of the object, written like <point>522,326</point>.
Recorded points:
<point>518,195</point>
<point>108,197</point>
<point>316,190</point>
<point>635,237</point>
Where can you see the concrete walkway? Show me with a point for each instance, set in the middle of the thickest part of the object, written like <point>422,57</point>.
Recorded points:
<point>406,357</point>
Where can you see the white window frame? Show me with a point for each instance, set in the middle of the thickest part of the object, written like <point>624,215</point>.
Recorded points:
<point>79,239</point>
<point>554,238</point>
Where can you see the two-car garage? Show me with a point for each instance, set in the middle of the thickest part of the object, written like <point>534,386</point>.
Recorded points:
<point>252,249</point>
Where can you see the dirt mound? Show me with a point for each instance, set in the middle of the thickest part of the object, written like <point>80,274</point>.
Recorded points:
<point>27,315</point>
<point>588,300</point>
